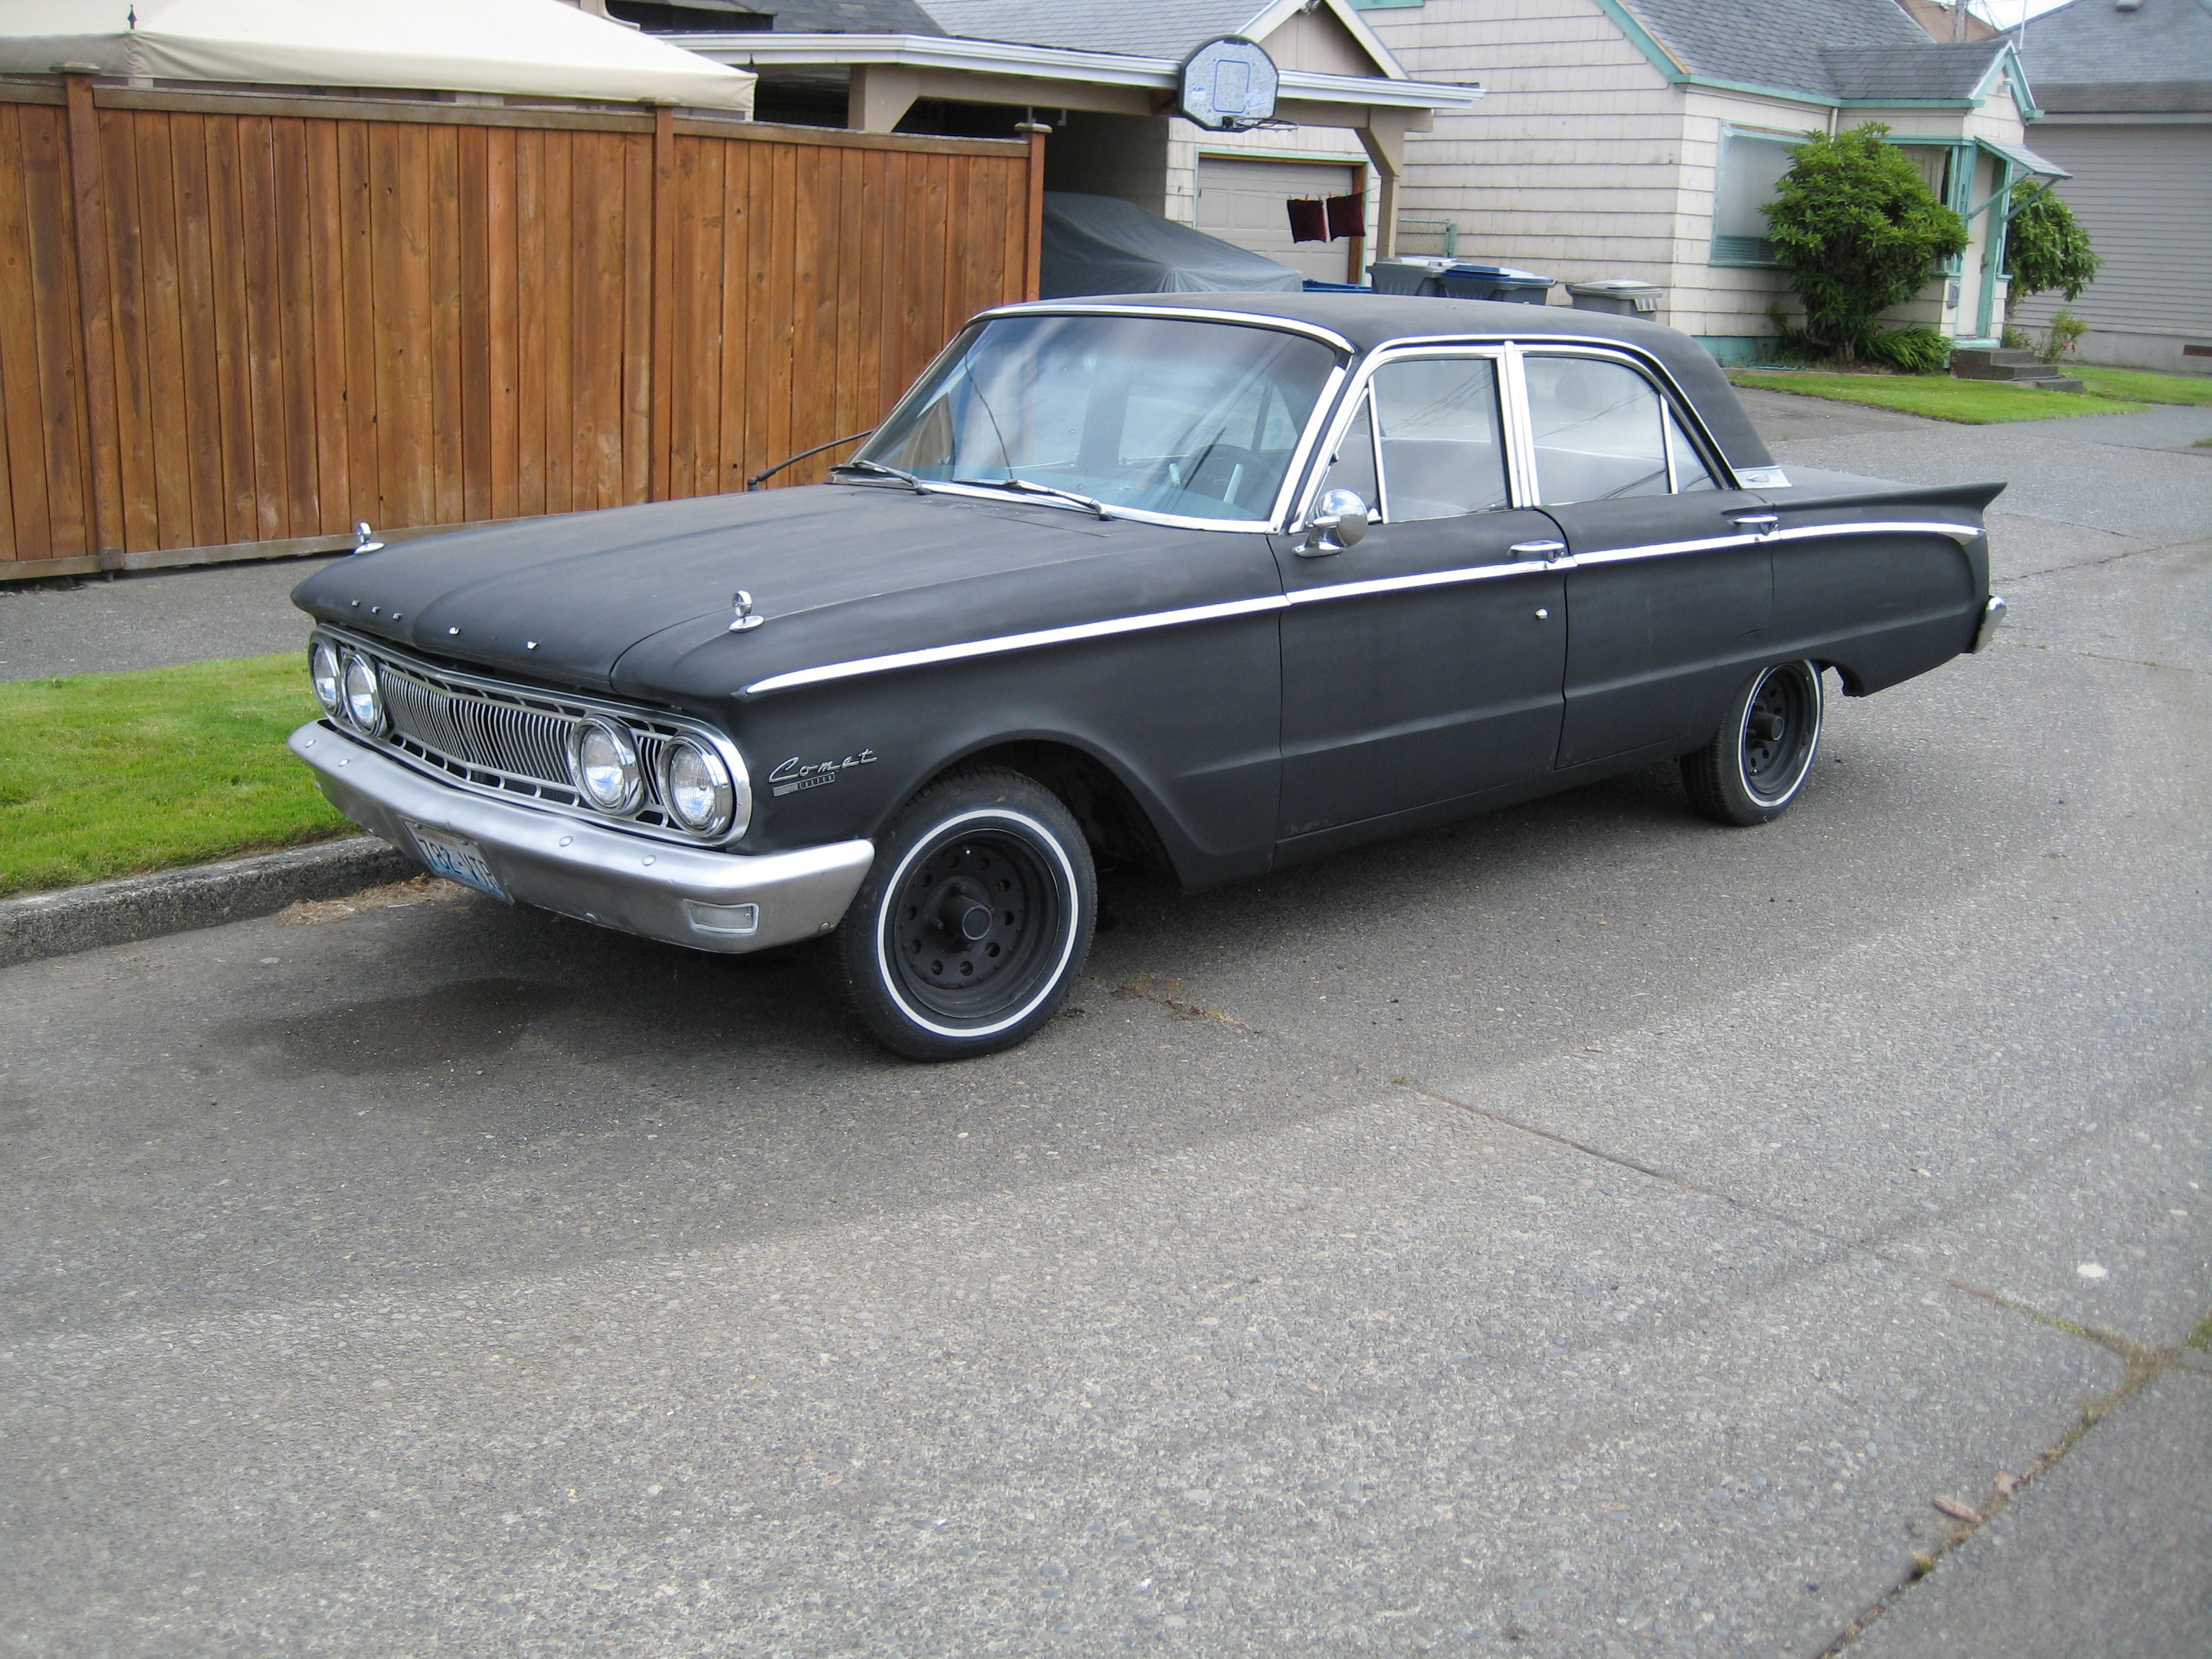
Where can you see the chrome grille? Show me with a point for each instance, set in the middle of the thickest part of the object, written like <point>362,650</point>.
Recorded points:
<point>488,739</point>
<point>509,739</point>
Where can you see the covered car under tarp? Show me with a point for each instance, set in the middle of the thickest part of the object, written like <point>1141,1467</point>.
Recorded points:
<point>1103,245</point>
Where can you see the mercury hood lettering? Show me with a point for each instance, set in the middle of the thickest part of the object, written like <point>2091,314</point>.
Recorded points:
<point>795,774</point>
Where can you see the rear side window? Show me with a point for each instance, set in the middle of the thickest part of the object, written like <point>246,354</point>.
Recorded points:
<point>1600,429</point>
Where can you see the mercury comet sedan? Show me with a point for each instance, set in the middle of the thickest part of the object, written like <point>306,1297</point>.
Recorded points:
<point>1216,581</point>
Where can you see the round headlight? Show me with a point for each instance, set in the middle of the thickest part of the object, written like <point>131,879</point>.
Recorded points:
<point>695,787</point>
<point>322,669</point>
<point>602,761</point>
<point>363,697</point>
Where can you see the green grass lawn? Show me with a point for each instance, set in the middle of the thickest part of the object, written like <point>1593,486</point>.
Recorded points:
<point>2143,386</point>
<point>1975,403</point>
<point>114,775</point>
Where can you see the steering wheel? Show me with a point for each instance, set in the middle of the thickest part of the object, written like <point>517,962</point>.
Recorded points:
<point>1217,473</point>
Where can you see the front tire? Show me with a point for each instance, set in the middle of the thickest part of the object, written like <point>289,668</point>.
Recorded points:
<point>1758,761</point>
<point>974,920</point>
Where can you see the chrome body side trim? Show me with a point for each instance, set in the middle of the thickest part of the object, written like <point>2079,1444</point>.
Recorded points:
<point>1479,573</point>
<point>683,895</point>
<point>1098,630</point>
<point>1961,533</point>
<point>1005,642</point>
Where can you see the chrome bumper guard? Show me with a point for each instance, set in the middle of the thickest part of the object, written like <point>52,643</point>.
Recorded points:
<point>1992,613</point>
<point>709,901</point>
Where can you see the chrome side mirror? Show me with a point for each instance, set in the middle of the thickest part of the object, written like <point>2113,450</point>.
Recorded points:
<point>1339,522</point>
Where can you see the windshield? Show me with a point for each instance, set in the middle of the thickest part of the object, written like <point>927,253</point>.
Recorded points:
<point>1195,419</point>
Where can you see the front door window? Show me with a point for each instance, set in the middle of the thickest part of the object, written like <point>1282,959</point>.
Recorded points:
<point>1442,452</point>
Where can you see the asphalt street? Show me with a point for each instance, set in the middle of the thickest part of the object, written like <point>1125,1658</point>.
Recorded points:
<point>1580,1231</point>
<point>104,624</point>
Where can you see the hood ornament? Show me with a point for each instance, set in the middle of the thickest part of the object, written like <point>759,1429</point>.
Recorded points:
<point>742,603</point>
<point>364,538</point>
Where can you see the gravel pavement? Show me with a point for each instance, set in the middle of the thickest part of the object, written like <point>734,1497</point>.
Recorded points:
<point>1580,1231</point>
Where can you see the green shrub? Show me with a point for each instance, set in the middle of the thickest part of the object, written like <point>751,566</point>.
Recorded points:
<point>1792,344</point>
<point>1919,349</point>
<point>2045,248</point>
<point>2064,334</point>
<point>1858,232</point>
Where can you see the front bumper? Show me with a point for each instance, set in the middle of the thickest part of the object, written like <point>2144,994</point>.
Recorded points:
<point>709,901</point>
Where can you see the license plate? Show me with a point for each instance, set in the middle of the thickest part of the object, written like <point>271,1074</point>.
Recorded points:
<point>457,858</point>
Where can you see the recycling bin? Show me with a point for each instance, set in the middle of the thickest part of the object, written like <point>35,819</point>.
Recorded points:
<point>1463,281</point>
<point>1409,274</point>
<point>1624,296</point>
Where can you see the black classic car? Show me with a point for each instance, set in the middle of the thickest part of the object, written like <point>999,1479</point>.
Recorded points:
<point>1216,581</point>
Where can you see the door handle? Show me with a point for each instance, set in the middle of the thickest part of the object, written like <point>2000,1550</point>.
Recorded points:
<point>1761,522</point>
<point>1547,551</point>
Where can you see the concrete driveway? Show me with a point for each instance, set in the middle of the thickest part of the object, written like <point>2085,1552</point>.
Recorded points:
<point>1583,1231</point>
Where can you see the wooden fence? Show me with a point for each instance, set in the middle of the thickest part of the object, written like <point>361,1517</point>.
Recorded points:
<point>235,325</point>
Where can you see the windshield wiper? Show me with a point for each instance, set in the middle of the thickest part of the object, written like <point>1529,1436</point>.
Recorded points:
<point>863,464</point>
<point>1026,487</point>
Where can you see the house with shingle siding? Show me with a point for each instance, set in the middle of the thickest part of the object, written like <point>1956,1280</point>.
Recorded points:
<point>2126,97</point>
<point>1640,138</point>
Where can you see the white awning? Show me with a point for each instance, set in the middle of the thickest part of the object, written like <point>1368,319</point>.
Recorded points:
<point>526,48</point>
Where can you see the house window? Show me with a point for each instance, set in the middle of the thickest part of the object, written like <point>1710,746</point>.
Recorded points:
<point>1934,163</point>
<point>1752,164</point>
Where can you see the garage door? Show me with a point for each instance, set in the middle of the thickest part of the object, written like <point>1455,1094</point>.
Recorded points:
<point>1242,202</point>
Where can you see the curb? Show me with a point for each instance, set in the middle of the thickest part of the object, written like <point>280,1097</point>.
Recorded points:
<point>145,907</point>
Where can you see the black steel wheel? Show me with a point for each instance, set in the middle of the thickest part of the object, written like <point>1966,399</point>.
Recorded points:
<point>1758,761</point>
<point>974,920</point>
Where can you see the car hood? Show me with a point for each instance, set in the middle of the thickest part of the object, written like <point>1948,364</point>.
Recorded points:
<point>829,568</point>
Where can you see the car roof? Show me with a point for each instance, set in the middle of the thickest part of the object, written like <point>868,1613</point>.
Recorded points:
<point>1370,320</point>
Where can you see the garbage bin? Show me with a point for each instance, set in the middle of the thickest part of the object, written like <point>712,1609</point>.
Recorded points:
<point>1409,274</point>
<point>1471,282</point>
<point>1621,295</point>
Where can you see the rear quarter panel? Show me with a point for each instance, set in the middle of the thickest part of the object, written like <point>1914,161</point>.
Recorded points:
<point>1883,581</point>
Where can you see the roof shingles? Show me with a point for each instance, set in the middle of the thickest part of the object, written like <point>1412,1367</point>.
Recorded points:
<point>1157,28</point>
<point>1825,48</point>
<point>850,17</point>
<point>2091,56</point>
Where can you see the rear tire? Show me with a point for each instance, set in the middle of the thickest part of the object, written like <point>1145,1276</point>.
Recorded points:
<point>973,921</point>
<point>1758,761</point>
